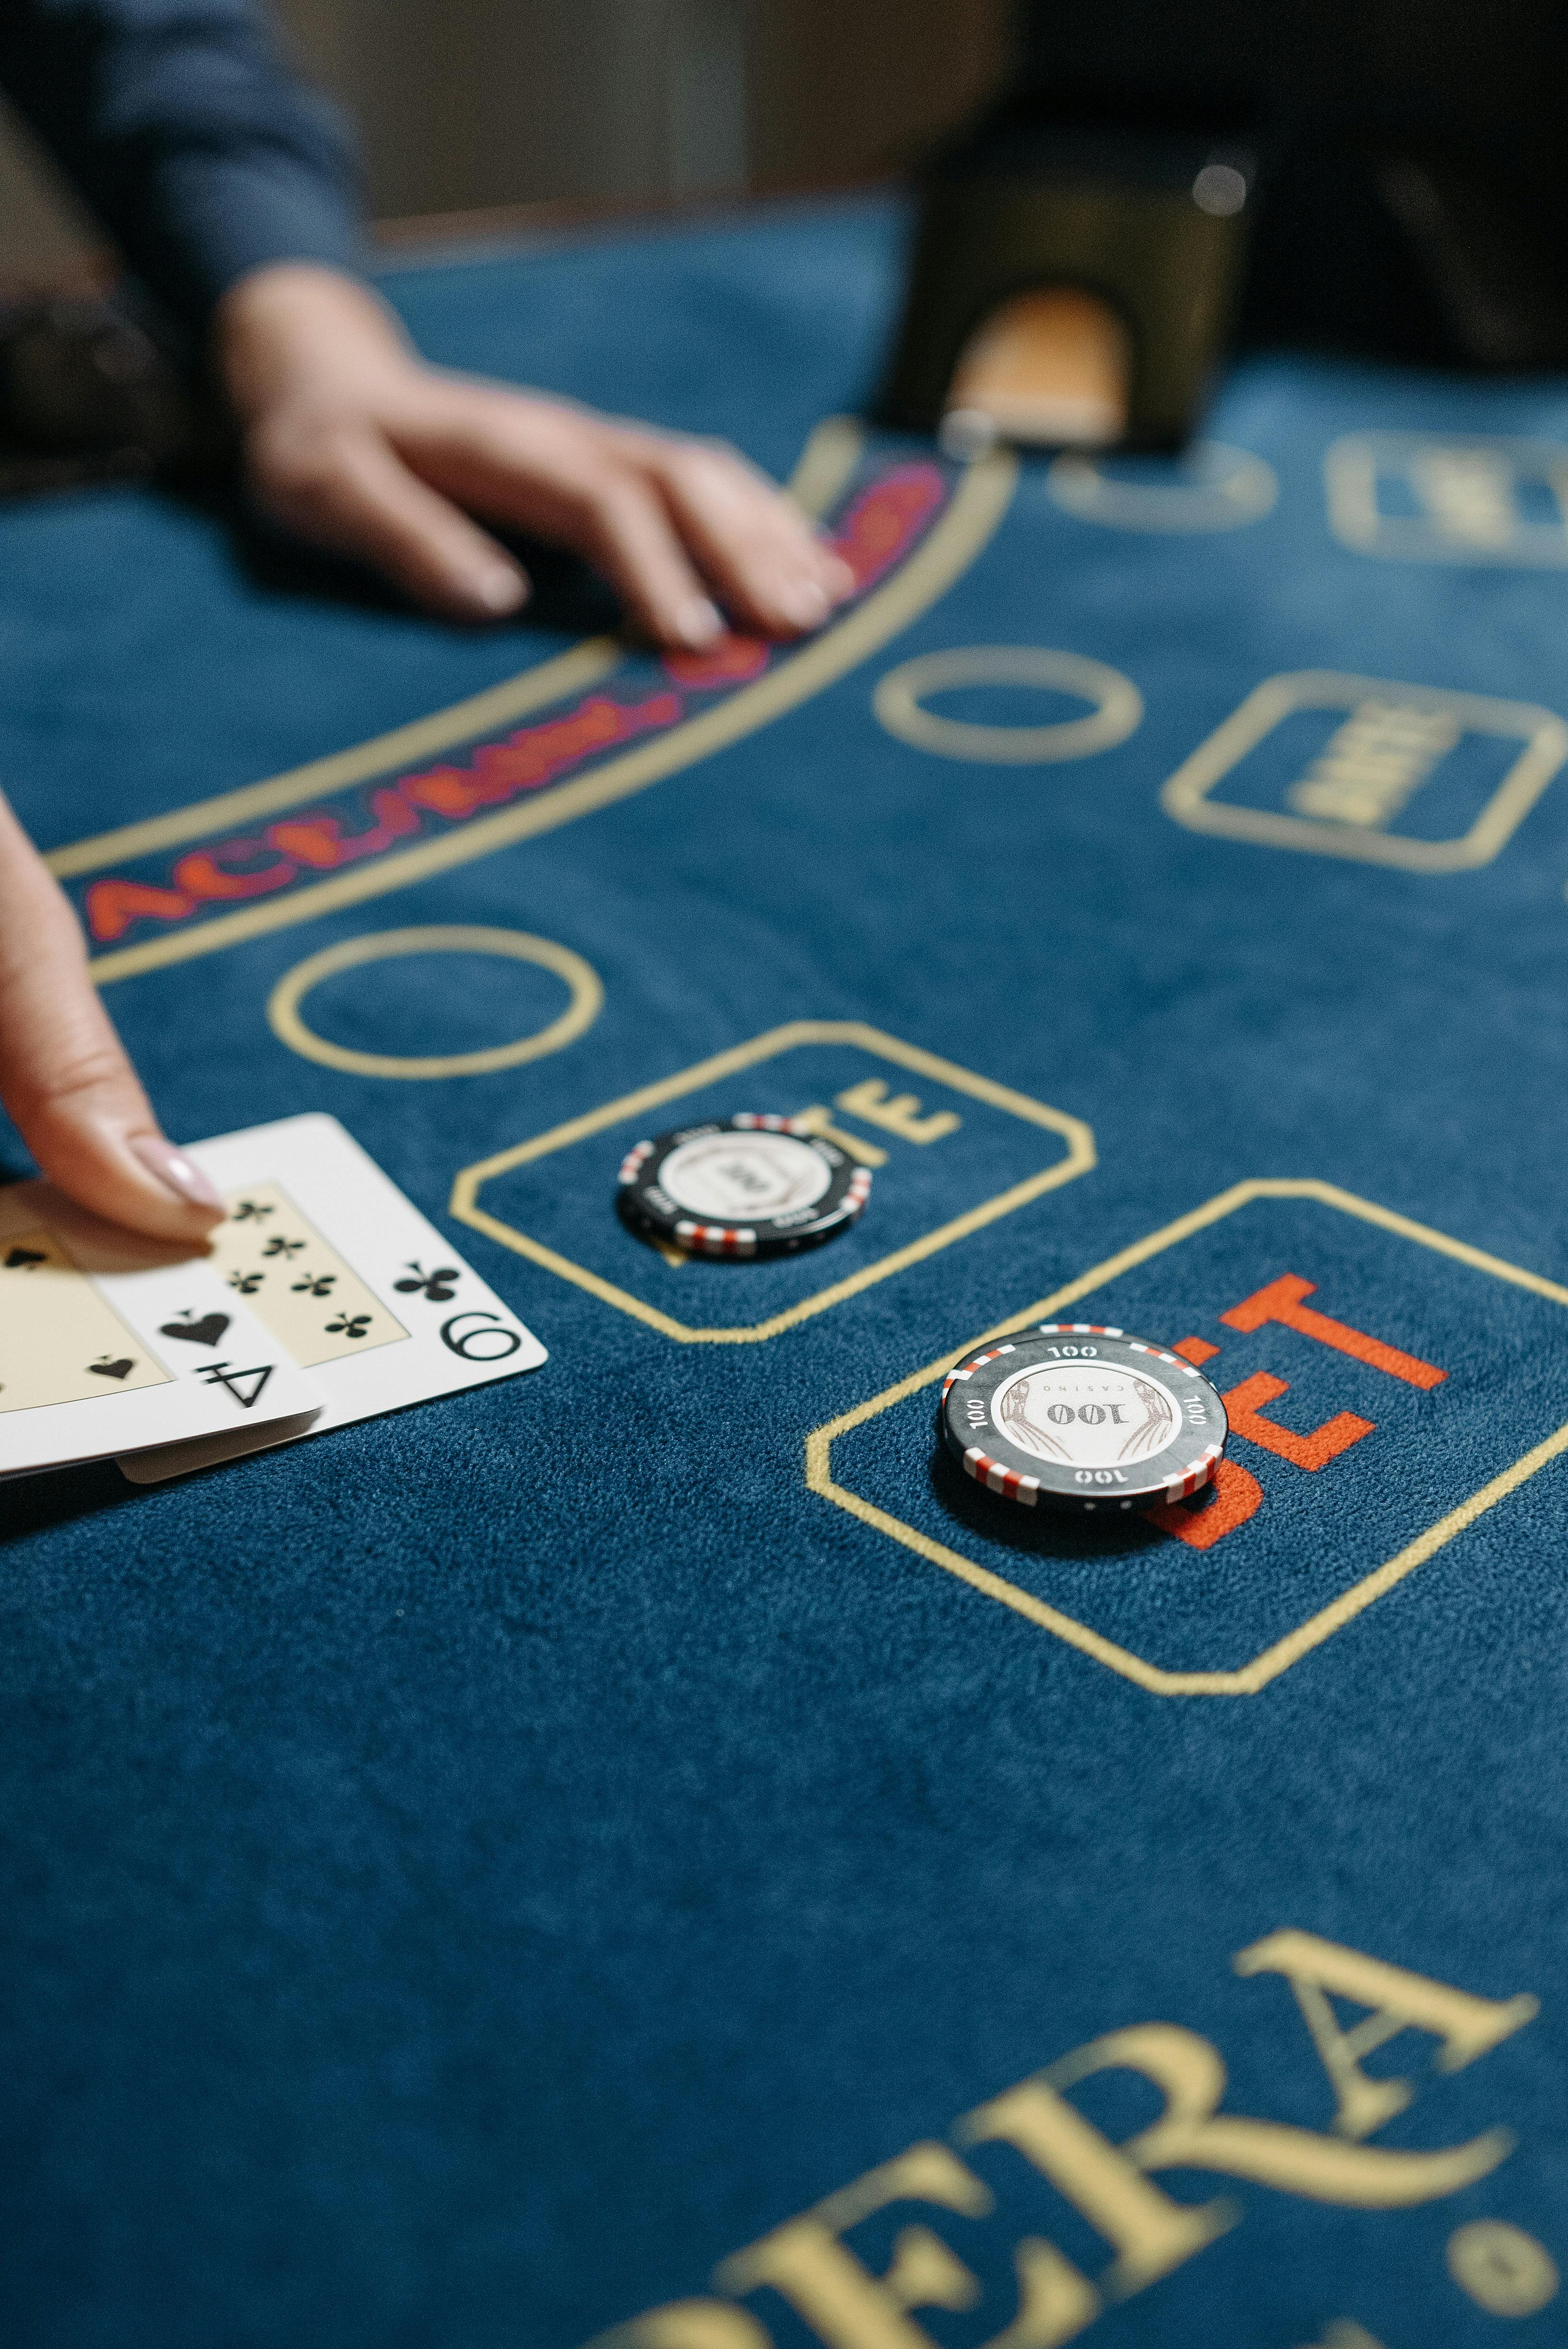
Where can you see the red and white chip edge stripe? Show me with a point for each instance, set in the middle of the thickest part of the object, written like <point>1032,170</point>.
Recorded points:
<point>1016,1487</point>
<point>848,1208</point>
<point>973,1362</point>
<point>635,1158</point>
<point>990,1473</point>
<point>976,1362</point>
<point>1196,1477</point>
<point>769,1123</point>
<point>716,1240</point>
<point>859,1191</point>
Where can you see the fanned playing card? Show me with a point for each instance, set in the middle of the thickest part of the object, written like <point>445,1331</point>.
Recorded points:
<point>345,1273</point>
<point>113,1344</point>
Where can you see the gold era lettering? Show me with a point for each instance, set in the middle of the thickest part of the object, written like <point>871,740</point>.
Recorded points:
<point>847,2306</point>
<point>1056,2300</point>
<point>687,2324</point>
<point>1151,2232</point>
<point>1191,2134</point>
<point>1397,2000</point>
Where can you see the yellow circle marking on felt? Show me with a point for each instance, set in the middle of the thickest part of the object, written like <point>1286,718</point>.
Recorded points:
<point>1504,2271</point>
<point>899,704</point>
<point>445,938</point>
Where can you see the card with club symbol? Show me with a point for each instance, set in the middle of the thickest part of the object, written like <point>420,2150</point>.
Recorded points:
<point>112,1344</point>
<point>342,1270</point>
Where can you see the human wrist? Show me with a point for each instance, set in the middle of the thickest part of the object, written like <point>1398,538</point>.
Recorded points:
<point>294,328</point>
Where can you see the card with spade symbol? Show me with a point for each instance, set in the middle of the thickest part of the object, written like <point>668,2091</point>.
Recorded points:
<point>342,1270</point>
<point>109,1343</point>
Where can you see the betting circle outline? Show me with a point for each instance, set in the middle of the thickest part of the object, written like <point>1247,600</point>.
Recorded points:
<point>899,704</point>
<point>287,1021</point>
<point>1061,1388</point>
<point>671,1185</point>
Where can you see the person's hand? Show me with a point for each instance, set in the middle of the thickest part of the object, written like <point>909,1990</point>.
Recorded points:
<point>352,441</point>
<point>71,1093</point>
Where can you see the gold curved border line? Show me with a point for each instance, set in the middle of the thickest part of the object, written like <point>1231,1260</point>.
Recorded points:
<point>978,506</point>
<point>830,456</point>
<point>570,672</point>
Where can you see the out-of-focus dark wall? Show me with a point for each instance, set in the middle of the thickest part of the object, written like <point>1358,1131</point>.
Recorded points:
<point>477,103</point>
<point>850,88</point>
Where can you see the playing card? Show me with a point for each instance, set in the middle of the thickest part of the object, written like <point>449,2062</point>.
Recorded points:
<point>345,1273</point>
<point>110,1343</point>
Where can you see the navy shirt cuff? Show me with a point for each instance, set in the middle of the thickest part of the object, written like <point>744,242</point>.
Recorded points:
<point>217,216</point>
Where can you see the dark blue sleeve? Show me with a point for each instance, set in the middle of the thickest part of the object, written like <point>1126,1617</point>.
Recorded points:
<point>181,126</point>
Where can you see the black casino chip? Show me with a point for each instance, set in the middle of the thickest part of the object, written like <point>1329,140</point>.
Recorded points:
<point>1084,1418</point>
<point>742,1187</point>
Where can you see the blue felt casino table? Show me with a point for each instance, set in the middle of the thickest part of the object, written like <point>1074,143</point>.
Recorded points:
<point>652,1844</point>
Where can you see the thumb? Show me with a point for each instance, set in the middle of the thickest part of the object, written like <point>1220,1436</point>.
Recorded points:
<point>64,1075</point>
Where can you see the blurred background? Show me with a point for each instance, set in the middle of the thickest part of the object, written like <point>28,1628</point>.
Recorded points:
<point>476,105</point>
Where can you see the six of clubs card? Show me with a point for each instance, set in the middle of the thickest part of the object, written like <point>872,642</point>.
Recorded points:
<point>346,1275</point>
<point>113,1344</point>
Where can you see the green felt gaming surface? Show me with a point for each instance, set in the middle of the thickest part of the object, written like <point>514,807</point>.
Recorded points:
<point>486,1874</point>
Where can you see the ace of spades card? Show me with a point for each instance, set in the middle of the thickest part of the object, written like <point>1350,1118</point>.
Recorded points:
<point>346,1274</point>
<point>110,1343</point>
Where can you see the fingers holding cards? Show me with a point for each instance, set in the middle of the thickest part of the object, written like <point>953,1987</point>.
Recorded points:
<point>338,1266</point>
<point>111,1343</point>
<point>324,1298</point>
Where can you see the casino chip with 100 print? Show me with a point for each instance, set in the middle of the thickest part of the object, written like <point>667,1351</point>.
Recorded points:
<point>1070,1413</point>
<point>1085,1417</point>
<point>748,1185</point>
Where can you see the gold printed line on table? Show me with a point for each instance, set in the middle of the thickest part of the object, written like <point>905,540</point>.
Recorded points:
<point>954,541</point>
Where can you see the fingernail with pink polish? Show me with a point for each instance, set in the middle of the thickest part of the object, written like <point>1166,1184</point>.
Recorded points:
<point>174,1171</point>
<point>699,622</point>
<point>803,604</point>
<point>500,589</point>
